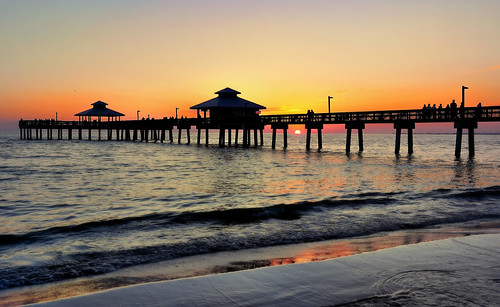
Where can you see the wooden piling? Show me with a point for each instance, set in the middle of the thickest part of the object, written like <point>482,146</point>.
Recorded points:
<point>222,137</point>
<point>273,142</point>
<point>399,125</point>
<point>398,141</point>
<point>359,125</point>
<point>348,141</point>
<point>245,137</point>
<point>460,125</point>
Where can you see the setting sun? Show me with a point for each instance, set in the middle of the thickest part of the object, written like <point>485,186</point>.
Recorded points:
<point>297,132</point>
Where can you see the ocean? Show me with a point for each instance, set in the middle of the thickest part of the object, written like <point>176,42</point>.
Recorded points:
<point>72,209</point>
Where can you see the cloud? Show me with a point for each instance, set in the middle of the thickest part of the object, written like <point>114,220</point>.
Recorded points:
<point>492,68</point>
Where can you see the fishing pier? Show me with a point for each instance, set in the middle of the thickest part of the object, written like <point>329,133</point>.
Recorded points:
<point>229,113</point>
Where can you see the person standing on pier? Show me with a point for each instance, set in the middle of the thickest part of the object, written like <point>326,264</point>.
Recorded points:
<point>453,107</point>
<point>479,110</point>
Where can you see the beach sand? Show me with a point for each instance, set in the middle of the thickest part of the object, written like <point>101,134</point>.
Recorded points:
<point>400,270</point>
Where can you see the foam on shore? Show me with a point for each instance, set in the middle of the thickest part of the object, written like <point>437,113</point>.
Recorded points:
<point>455,271</point>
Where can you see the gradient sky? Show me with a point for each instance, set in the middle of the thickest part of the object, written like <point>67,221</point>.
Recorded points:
<point>154,56</point>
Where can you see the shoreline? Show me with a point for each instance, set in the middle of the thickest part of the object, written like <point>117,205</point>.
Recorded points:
<point>232,261</point>
<point>458,271</point>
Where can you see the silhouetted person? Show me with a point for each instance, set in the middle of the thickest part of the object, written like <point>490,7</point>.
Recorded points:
<point>447,111</point>
<point>479,110</point>
<point>453,108</point>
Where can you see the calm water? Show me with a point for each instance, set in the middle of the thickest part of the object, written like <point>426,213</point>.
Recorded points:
<point>80,208</point>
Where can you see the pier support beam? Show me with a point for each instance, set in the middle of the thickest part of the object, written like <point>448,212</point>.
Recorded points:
<point>354,125</point>
<point>245,137</point>
<point>285,137</point>
<point>187,127</point>
<point>222,137</point>
<point>465,124</point>
<point>410,125</point>
<point>309,127</point>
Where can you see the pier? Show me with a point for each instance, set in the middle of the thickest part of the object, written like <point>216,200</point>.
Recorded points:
<point>229,113</point>
<point>162,130</point>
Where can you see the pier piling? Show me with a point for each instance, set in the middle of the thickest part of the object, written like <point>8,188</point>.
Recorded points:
<point>354,125</point>
<point>460,125</point>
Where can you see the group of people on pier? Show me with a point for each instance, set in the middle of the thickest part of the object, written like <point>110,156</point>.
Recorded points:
<point>449,112</point>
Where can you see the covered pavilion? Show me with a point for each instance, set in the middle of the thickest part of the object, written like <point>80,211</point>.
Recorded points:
<point>227,112</point>
<point>99,110</point>
<point>228,108</point>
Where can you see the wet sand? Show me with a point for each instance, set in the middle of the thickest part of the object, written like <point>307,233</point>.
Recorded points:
<point>223,262</point>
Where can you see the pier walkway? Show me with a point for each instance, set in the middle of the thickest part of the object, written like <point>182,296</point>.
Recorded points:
<point>161,130</point>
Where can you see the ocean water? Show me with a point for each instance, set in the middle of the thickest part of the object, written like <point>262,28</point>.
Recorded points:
<point>82,208</point>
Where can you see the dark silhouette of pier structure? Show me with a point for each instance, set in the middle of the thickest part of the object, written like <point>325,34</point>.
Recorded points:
<point>231,113</point>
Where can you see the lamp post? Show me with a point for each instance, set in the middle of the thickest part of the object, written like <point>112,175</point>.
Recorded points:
<point>138,114</point>
<point>56,116</point>
<point>176,112</point>
<point>329,97</point>
<point>463,94</point>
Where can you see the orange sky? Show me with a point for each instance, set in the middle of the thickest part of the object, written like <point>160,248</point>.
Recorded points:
<point>61,56</point>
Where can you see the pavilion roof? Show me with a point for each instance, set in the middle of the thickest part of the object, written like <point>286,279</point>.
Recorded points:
<point>99,109</point>
<point>227,99</point>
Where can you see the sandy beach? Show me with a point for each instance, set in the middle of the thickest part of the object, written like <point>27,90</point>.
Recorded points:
<point>456,271</point>
<point>266,258</point>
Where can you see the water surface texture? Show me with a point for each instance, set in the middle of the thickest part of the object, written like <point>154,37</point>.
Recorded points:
<point>81,208</point>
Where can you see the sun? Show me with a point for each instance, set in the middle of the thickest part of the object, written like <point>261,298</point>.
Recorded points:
<point>297,132</point>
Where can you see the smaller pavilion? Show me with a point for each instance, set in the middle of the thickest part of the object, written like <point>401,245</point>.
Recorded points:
<point>99,110</point>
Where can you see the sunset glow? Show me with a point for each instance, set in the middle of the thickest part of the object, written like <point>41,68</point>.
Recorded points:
<point>162,55</point>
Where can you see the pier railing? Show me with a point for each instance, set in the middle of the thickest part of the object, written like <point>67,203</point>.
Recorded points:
<point>418,115</point>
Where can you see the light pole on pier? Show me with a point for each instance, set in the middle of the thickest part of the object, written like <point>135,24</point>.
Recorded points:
<point>138,114</point>
<point>176,112</point>
<point>463,94</point>
<point>329,97</point>
<point>56,116</point>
